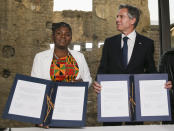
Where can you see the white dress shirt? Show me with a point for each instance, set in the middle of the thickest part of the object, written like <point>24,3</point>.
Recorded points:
<point>130,43</point>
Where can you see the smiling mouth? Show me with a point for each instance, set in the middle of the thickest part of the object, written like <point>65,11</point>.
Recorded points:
<point>118,25</point>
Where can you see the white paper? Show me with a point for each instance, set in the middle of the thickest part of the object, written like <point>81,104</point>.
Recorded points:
<point>27,99</point>
<point>153,98</point>
<point>114,99</point>
<point>69,103</point>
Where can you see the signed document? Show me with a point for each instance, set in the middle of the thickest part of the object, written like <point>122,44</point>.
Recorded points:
<point>58,104</point>
<point>153,98</point>
<point>69,103</point>
<point>28,99</point>
<point>114,99</point>
<point>135,97</point>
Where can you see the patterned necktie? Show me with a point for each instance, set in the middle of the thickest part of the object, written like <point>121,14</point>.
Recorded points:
<point>125,52</point>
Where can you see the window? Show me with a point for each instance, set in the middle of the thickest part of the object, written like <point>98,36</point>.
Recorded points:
<point>76,47</point>
<point>153,10</point>
<point>100,44</point>
<point>83,5</point>
<point>88,46</point>
<point>171,6</point>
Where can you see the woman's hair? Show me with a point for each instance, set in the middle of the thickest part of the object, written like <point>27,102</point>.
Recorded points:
<point>56,26</point>
<point>133,12</point>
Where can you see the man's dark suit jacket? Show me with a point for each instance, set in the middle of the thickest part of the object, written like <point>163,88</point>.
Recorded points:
<point>141,61</point>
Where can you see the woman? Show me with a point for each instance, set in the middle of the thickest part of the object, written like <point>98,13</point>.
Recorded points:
<point>61,64</point>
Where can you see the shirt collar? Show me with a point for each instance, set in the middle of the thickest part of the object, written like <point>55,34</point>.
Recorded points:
<point>131,36</point>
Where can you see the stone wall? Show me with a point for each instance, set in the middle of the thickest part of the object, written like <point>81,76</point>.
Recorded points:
<point>104,15</point>
<point>153,33</point>
<point>23,33</point>
<point>25,29</point>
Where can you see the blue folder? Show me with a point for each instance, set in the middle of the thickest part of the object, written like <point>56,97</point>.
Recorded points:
<point>139,117</point>
<point>49,85</point>
<point>133,92</point>
<point>112,77</point>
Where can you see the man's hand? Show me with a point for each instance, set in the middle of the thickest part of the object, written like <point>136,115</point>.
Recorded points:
<point>97,87</point>
<point>168,85</point>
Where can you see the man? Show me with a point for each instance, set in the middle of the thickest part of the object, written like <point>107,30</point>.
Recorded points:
<point>139,49</point>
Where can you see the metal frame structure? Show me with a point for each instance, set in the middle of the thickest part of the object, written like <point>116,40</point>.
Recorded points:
<point>164,23</point>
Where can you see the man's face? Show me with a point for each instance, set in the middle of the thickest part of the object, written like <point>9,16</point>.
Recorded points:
<point>62,37</point>
<point>123,22</point>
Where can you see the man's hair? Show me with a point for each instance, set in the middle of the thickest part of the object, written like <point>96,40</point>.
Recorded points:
<point>56,26</point>
<point>133,12</point>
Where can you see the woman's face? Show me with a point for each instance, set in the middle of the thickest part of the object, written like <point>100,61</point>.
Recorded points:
<point>62,37</point>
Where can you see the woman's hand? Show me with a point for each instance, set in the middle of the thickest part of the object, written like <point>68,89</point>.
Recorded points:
<point>42,126</point>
